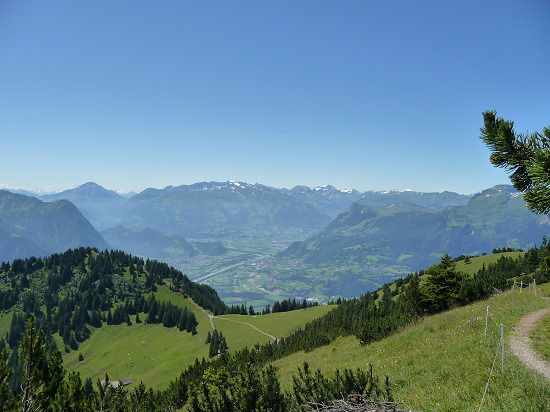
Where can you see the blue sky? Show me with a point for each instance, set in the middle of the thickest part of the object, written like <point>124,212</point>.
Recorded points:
<point>357,94</point>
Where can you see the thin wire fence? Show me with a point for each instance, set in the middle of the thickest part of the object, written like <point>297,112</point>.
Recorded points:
<point>532,288</point>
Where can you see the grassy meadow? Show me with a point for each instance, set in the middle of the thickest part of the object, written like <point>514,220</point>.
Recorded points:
<point>156,355</point>
<point>149,353</point>
<point>276,324</point>
<point>443,362</point>
<point>476,264</point>
<point>5,321</point>
<point>540,336</point>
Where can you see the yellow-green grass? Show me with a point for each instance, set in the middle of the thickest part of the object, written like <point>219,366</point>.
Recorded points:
<point>443,362</point>
<point>476,263</point>
<point>540,336</point>
<point>283,323</point>
<point>164,294</point>
<point>239,335</point>
<point>5,322</point>
<point>149,353</point>
<point>156,355</point>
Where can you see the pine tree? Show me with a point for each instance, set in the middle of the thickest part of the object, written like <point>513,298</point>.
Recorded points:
<point>32,357</point>
<point>182,323</point>
<point>442,288</point>
<point>71,394</point>
<point>88,387</point>
<point>411,300</point>
<point>7,400</point>
<point>524,157</point>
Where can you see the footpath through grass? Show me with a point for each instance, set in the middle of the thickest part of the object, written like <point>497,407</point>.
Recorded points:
<point>276,324</point>
<point>443,362</point>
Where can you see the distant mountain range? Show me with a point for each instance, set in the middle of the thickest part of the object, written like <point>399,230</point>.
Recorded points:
<point>374,237</point>
<point>435,200</point>
<point>221,210</point>
<point>365,247</point>
<point>331,201</point>
<point>30,227</point>
<point>408,235</point>
<point>95,202</point>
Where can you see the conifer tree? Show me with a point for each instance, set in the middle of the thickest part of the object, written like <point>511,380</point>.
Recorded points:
<point>442,287</point>
<point>411,299</point>
<point>88,387</point>
<point>32,356</point>
<point>7,400</point>
<point>525,158</point>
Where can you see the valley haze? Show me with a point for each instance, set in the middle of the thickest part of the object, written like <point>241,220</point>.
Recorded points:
<point>256,244</point>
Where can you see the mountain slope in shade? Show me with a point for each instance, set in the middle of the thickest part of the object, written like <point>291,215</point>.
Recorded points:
<point>30,227</point>
<point>96,203</point>
<point>220,209</point>
<point>13,246</point>
<point>149,243</point>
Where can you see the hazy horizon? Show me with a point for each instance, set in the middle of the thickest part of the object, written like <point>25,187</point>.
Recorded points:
<point>49,190</point>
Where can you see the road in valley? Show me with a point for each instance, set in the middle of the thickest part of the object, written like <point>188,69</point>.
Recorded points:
<point>221,271</point>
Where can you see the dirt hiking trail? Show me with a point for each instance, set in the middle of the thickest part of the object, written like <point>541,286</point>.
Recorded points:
<point>521,344</point>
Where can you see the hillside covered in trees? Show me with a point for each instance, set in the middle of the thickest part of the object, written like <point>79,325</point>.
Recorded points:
<point>72,293</point>
<point>227,380</point>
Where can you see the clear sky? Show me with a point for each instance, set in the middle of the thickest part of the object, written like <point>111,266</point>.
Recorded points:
<point>369,95</point>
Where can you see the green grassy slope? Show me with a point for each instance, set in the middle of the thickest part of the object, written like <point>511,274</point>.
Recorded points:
<point>149,353</point>
<point>540,337</point>
<point>155,355</point>
<point>5,321</point>
<point>280,324</point>
<point>442,363</point>
<point>478,262</point>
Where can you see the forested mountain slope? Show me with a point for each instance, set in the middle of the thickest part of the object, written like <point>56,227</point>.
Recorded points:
<point>416,236</point>
<point>245,377</point>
